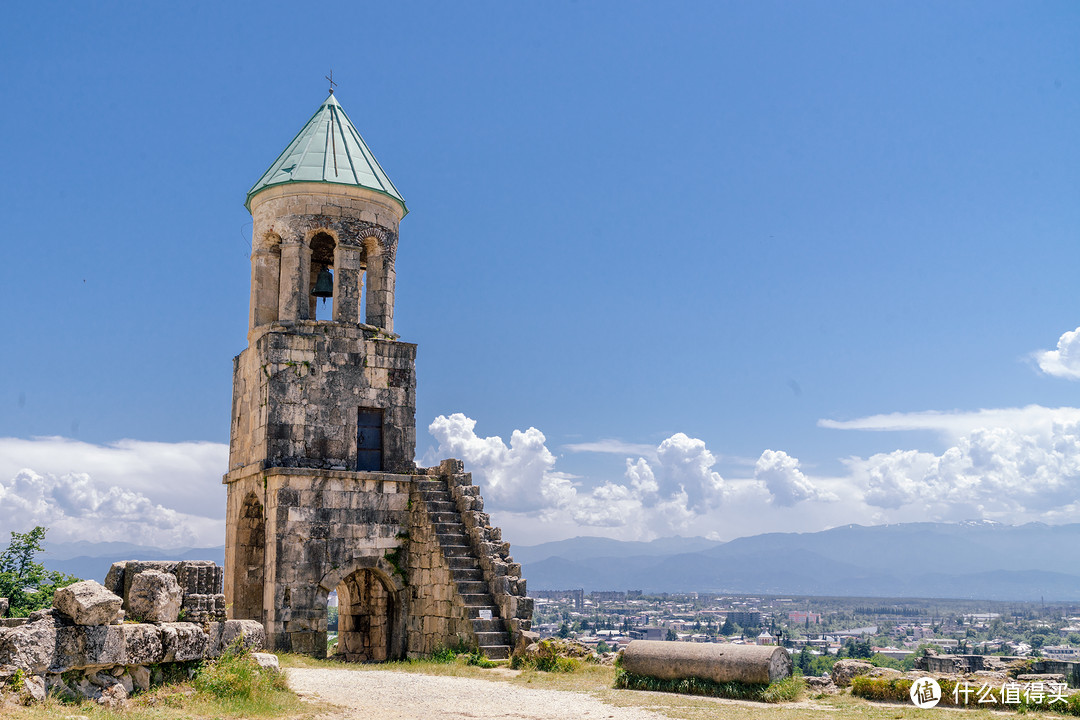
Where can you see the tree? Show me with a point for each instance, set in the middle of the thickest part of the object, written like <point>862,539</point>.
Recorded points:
<point>671,635</point>
<point>729,628</point>
<point>804,660</point>
<point>564,630</point>
<point>23,581</point>
<point>602,647</point>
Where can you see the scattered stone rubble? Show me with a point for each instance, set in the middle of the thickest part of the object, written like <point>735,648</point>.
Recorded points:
<point>978,669</point>
<point>82,647</point>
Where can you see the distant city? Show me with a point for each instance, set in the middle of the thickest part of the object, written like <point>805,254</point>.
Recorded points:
<point>886,630</point>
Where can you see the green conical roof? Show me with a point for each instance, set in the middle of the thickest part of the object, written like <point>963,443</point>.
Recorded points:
<point>328,150</point>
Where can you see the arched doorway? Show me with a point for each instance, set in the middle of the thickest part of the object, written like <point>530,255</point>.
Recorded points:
<point>250,561</point>
<point>367,618</point>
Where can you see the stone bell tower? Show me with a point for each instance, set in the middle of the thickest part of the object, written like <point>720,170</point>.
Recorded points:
<point>323,494</point>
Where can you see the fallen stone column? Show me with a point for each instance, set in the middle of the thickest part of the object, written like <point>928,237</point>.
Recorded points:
<point>719,662</point>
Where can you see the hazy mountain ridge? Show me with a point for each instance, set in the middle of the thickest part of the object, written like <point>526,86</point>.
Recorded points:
<point>91,561</point>
<point>977,559</point>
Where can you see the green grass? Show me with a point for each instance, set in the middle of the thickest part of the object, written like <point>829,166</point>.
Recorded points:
<point>232,687</point>
<point>786,690</point>
<point>898,689</point>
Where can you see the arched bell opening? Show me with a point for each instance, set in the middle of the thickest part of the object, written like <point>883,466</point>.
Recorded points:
<point>250,561</point>
<point>368,613</point>
<point>322,283</point>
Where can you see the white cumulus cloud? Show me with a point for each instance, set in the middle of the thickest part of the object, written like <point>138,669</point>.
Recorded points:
<point>786,483</point>
<point>520,477</point>
<point>995,473</point>
<point>661,495</point>
<point>1065,360</point>
<point>75,507</point>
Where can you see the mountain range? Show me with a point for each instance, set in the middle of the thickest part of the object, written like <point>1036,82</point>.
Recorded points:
<point>91,561</point>
<point>981,560</point>
<point>978,560</point>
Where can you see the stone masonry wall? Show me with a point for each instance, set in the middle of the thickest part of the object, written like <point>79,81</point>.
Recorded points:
<point>321,527</point>
<point>437,615</point>
<point>296,395</point>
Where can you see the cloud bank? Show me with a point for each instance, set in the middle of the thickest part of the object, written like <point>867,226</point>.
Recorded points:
<point>1012,465</point>
<point>159,494</point>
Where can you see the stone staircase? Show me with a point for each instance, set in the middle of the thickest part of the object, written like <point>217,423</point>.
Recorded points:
<point>491,635</point>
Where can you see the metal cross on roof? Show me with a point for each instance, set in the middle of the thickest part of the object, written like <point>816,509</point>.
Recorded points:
<point>330,77</point>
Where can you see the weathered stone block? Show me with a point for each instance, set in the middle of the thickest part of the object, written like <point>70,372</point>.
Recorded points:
<point>88,603</point>
<point>246,633</point>
<point>183,641</point>
<point>28,647</point>
<point>155,596</point>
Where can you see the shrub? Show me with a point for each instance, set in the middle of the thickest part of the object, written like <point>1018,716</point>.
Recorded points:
<point>546,664</point>
<point>478,659</point>
<point>236,676</point>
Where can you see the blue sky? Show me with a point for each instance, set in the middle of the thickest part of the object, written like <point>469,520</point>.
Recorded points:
<point>749,225</point>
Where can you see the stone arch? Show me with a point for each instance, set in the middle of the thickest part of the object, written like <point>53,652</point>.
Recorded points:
<point>250,562</point>
<point>371,609</point>
<point>321,244</point>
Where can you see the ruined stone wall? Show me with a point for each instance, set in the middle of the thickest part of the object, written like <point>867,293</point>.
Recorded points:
<point>200,581</point>
<point>296,395</point>
<point>437,615</point>
<point>87,647</point>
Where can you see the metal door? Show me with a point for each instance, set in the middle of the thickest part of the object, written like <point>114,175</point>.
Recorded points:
<point>369,448</point>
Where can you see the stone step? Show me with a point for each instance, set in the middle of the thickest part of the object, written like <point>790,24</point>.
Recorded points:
<point>491,638</point>
<point>473,611</point>
<point>453,541</point>
<point>495,625</point>
<point>440,517</point>
<point>448,527</point>
<point>496,652</point>
<point>435,506</point>
<point>439,497</point>
<point>472,587</point>
<point>461,575</point>
<point>430,484</point>
<point>463,562</point>
<point>483,599</point>
<point>457,550</point>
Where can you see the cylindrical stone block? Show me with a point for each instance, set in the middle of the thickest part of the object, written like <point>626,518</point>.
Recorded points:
<point>719,662</point>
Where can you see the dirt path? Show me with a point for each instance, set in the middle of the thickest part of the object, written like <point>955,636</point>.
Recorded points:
<point>383,695</point>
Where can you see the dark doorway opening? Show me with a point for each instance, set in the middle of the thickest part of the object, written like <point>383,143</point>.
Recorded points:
<point>369,440</point>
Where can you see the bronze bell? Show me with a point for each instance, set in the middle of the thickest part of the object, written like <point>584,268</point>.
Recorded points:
<point>324,284</point>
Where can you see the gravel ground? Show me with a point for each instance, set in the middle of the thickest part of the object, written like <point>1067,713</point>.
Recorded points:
<point>382,695</point>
